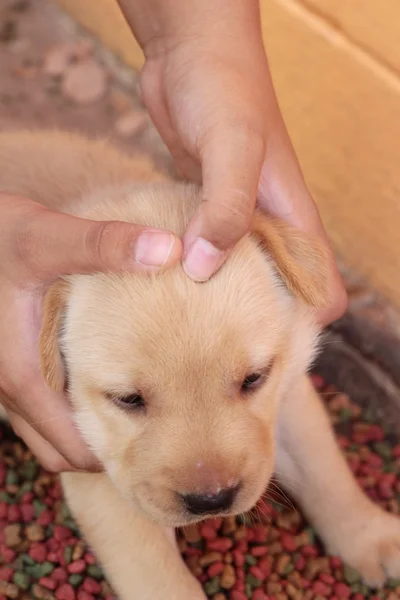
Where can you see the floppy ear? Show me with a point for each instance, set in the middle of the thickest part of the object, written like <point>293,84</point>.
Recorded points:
<point>51,362</point>
<point>301,259</point>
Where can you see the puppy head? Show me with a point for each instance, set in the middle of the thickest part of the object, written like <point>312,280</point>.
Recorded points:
<point>176,384</point>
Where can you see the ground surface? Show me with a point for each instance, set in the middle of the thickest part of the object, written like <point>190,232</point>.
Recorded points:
<point>52,74</point>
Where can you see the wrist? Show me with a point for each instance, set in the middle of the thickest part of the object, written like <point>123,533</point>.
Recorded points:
<point>161,25</point>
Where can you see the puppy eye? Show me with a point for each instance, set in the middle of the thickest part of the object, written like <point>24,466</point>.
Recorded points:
<point>131,401</point>
<point>252,381</point>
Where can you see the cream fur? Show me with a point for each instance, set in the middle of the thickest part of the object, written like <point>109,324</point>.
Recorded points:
<point>186,347</point>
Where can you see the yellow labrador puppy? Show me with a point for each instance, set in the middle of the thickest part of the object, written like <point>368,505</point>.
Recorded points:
<point>189,394</point>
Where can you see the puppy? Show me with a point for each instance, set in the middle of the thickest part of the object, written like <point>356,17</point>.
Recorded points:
<point>189,394</point>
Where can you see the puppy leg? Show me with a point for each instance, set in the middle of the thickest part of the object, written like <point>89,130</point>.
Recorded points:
<point>311,466</point>
<point>141,559</point>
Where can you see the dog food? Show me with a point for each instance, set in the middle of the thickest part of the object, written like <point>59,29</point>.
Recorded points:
<point>270,554</point>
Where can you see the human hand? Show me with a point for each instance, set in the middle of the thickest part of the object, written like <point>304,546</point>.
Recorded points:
<point>208,89</point>
<point>36,246</point>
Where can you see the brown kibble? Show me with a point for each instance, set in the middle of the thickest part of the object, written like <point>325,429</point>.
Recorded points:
<point>229,525</point>
<point>84,82</point>
<point>282,563</point>
<point>228,577</point>
<point>191,533</point>
<point>9,590</point>
<point>275,548</point>
<point>34,532</point>
<point>78,550</point>
<point>219,597</point>
<point>228,558</point>
<point>273,588</point>
<point>209,558</point>
<point>42,593</point>
<point>240,533</point>
<point>12,535</point>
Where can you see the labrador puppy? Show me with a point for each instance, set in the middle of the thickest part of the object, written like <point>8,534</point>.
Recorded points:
<point>190,394</point>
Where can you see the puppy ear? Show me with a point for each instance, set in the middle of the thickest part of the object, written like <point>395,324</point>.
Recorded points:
<point>301,259</point>
<point>51,362</point>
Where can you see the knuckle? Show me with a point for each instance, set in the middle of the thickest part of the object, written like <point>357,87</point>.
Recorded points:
<point>230,220</point>
<point>97,243</point>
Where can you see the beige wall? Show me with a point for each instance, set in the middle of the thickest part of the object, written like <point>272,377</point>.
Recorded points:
<point>336,65</point>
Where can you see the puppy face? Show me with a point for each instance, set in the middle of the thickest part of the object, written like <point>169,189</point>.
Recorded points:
<point>176,384</point>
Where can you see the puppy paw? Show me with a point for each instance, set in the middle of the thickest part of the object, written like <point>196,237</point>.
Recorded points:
<point>372,548</point>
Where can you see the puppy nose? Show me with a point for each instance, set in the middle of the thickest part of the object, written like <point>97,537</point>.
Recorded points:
<point>202,504</point>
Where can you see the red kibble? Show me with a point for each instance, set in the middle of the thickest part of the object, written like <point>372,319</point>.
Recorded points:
<point>288,542</point>
<point>77,566</point>
<point>48,583</point>
<point>300,563</point>
<point>336,562</point>
<point>260,535</point>
<point>27,497</point>
<point>208,532</point>
<point>3,510</point>
<point>242,546</point>
<point>259,595</point>
<point>310,551</point>
<point>237,595</point>
<point>53,557</point>
<point>61,532</point>
<point>14,514</point>
<point>396,451</point>
<point>238,558</point>
<point>46,518</point>
<point>59,574</point>
<point>38,552</point>
<point>321,589</point>
<point>82,595</point>
<point>374,460</point>
<point>91,586</point>
<point>251,536</point>
<point>27,512</point>
<point>259,550</point>
<point>190,551</point>
<point>265,566</point>
<point>220,544</point>
<point>376,433</point>
<point>326,578</point>
<point>90,559</point>
<point>7,554</point>
<point>53,544</point>
<point>65,592</point>
<point>216,522</point>
<point>257,572</point>
<point>342,590</point>
<point>358,597</point>
<point>215,569</point>
<point>6,574</point>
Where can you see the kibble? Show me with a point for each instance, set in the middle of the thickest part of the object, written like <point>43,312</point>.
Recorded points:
<point>278,558</point>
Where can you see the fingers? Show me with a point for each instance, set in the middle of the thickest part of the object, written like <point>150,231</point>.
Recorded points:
<point>49,458</point>
<point>45,244</point>
<point>231,159</point>
<point>49,432</point>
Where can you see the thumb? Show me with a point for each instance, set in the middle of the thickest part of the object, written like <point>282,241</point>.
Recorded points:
<point>231,165</point>
<point>46,244</point>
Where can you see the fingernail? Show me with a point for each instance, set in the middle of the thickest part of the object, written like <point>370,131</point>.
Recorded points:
<point>202,260</point>
<point>153,248</point>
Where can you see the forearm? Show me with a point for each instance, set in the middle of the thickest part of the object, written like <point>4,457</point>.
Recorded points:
<point>159,24</point>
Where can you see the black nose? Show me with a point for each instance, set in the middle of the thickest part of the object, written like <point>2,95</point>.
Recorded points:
<point>201,504</point>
